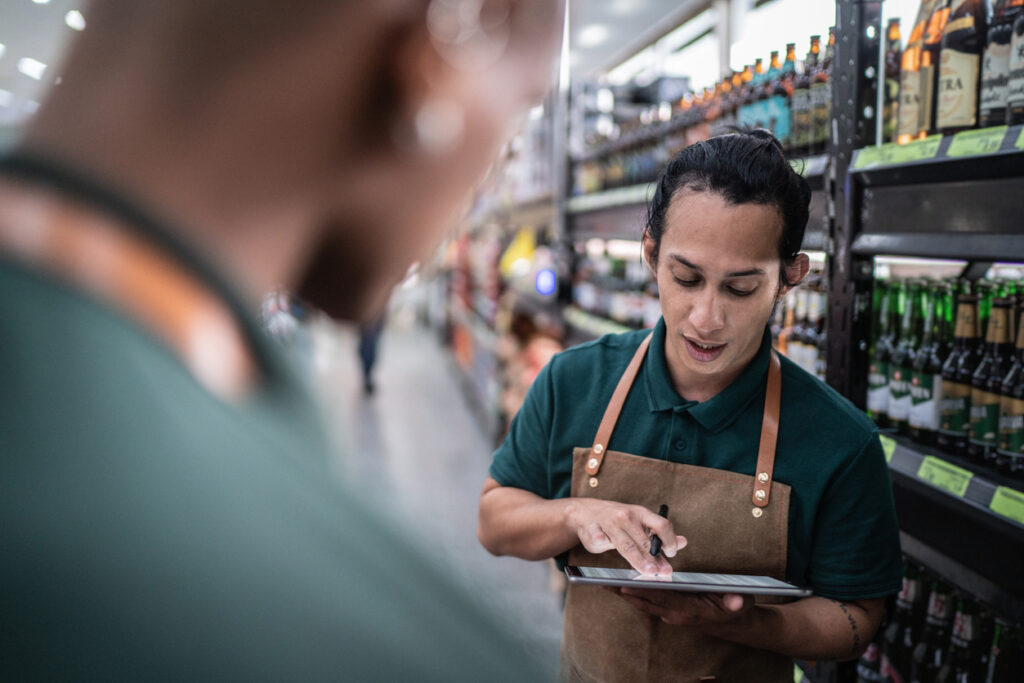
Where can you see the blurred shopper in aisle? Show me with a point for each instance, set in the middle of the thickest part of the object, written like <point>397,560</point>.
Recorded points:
<point>168,511</point>
<point>369,339</point>
<point>763,468</point>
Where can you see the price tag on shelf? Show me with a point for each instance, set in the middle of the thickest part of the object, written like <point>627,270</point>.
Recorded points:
<point>1008,503</point>
<point>890,154</point>
<point>977,142</point>
<point>888,447</point>
<point>944,475</point>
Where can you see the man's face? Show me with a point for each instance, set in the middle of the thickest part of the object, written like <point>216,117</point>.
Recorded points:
<point>718,279</point>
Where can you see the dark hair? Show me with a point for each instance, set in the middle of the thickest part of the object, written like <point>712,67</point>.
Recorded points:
<point>743,167</point>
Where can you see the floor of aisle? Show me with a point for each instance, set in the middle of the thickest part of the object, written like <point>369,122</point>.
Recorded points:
<point>416,441</point>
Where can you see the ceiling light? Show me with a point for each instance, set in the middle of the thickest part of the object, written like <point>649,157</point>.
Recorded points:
<point>75,20</point>
<point>3,49</point>
<point>593,35</point>
<point>32,68</point>
<point>6,98</point>
<point>41,2</point>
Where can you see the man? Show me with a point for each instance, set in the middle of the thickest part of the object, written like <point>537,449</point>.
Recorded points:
<point>166,503</point>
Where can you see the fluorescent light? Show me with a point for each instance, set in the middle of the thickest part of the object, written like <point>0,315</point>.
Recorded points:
<point>41,2</point>
<point>593,35</point>
<point>6,98</point>
<point>32,68</point>
<point>3,49</point>
<point>75,20</point>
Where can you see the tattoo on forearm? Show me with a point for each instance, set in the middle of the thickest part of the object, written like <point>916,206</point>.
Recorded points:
<point>853,627</point>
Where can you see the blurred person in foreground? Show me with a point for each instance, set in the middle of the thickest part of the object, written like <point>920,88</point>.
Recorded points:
<point>168,509</point>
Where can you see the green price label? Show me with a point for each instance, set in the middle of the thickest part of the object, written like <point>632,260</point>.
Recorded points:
<point>1008,503</point>
<point>891,153</point>
<point>945,476</point>
<point>977,142</point>
<point>888,447</point>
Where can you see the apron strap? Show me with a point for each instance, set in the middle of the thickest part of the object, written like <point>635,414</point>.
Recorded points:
<point>116,266</point>
<point>769,433</point>
<point>611,413</point>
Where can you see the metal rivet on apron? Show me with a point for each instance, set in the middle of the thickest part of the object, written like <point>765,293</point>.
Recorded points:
<point>592,463</point>
<point>757,512</point>
<point>593,482</point>
<point>760,494</point>
<point>763,477</point>
<point>598,448</point>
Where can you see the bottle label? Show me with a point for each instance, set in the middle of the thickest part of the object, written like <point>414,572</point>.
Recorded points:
<point>779,118</point>
<point>909,594</point>
<point>964,320</point>
<point>995,80</point>
<point>1011,427</point>
<point>984,417</point>
<point>963,629</point>
<point>939,607</point>
<point>899,393</point>
<point>926,115</point>
<point>924,407</point>
<point>910,103</point>
<point>1015,87</point>
<point>958,89</point>
<point>953,409</point>
<point>878,387</point>
<point>821,104</point>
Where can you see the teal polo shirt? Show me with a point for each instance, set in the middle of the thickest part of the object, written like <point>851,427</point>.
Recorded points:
<point>843,533</point>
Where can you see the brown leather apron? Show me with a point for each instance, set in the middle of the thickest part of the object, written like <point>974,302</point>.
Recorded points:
<point>733,523</point>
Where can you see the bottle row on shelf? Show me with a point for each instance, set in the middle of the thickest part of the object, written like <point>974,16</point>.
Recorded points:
<point>962,68</point>
<point>933,634</point>
<point>933,378</point>
<point>792,99</point>
<point>798,325</point>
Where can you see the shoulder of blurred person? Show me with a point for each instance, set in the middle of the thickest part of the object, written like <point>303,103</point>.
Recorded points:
<point>155,527</point>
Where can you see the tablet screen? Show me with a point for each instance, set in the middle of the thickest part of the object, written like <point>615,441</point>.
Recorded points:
<point>687,581</point>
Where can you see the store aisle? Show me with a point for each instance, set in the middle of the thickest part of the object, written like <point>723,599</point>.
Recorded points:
<point>416,441</point>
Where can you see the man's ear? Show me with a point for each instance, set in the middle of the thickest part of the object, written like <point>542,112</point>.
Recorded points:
<point>795,273</point>
<point>648,254</point>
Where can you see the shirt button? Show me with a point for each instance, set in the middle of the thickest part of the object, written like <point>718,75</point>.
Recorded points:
<point>681,445</point>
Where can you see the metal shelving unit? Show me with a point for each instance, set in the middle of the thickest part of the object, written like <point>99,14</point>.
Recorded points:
<point>943,197</point>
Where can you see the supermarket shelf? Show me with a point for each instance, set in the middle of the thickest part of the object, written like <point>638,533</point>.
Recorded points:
<point>619,197</point>
<point>592,326</point>
<point>951,508</point>
<point>958,246</point>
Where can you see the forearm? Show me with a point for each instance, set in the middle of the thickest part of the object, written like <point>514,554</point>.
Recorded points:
<point>515,522</point>
<point>813,628</point>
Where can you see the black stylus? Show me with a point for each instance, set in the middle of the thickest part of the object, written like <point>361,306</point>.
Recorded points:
<point>655,539</point>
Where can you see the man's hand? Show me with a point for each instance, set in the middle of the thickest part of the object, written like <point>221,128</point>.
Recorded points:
<point>603,525</point>
<point>695,610</point>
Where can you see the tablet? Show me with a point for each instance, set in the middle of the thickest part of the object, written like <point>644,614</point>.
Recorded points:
<point>693,582</point>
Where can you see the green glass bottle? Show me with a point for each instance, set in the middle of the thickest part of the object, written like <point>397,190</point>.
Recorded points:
<point>880,354</point>
<point>926,380</point>
<point>902,365</point>
<point>986,385</point>
<point>954,407</point>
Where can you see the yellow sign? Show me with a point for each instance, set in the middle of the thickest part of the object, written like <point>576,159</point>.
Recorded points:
<point>888,447</point>
<point>944,475</point>
<point>890,154</point>
<point>1008,503</point>
<point>977,142</point>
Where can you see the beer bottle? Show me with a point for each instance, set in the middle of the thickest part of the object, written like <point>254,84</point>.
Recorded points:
<point>963,660</point>
<point>803,114</point>
<point>995,70</point>
<point>743,106</point>
<point>821,97</point>
<point>987,376</point>
<point>881,353</point>
<point>930,651</point>
<point>954,407</point>
<point>910,77</point>
<point>752,117</point>
<point>902,364</point>
<point>904,629</point>
<point>779,118</point>
<point>764,100</point>
<point>963,42</point>
<point>1006,660</point>
<point>1010,451</point>
<point>869,666</point>
<point>1015,89</point>
<point>926,380</point>
<point>891,101</point>
<point>930,56</point>
<point>820,354</point>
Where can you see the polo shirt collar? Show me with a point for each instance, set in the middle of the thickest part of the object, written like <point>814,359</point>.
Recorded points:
<point>719,411</point>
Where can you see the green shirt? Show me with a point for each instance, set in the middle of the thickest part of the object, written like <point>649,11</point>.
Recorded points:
<point>152,531</point>
<point>843,533</point>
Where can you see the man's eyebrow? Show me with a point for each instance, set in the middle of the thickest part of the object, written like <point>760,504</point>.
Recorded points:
<point>739,273</point>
